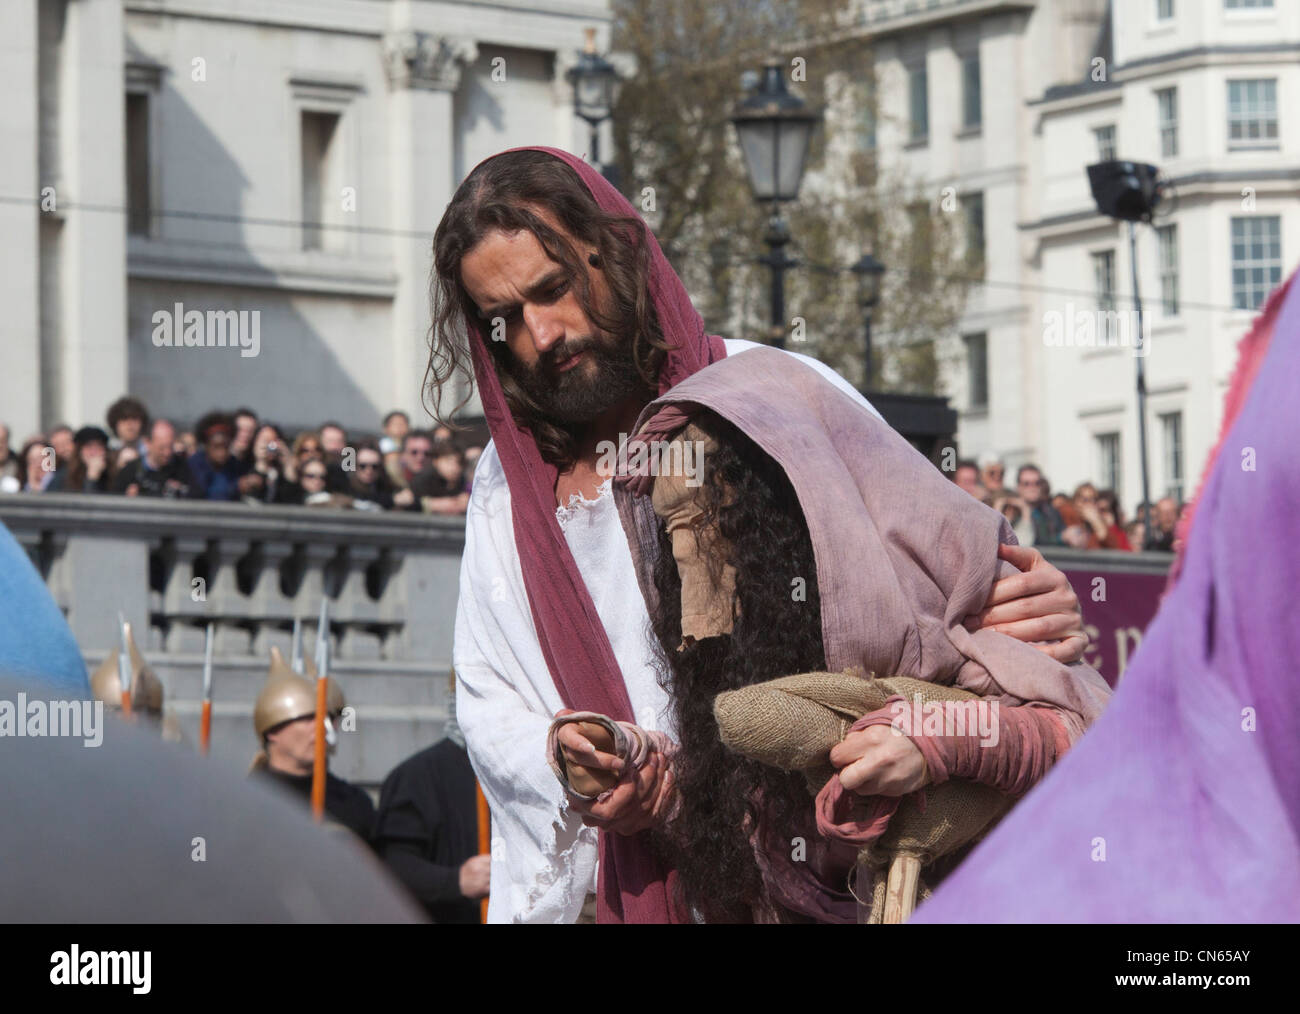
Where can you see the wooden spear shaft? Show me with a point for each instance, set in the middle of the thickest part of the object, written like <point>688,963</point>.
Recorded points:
<point>318,769</point>
<point>484,838</point>
<point>322,702</point>
<point>205,717</point>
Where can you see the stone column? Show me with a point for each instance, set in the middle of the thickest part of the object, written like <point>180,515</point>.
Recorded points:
<point>357,610</point>
<point>108,575</point>
<point>423,74</point>
<point>269,602</point>
<point>182,609</point>
<point>93,363</point>
<point>20,324</point>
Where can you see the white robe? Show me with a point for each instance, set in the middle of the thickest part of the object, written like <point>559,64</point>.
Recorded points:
<point>543,857</point>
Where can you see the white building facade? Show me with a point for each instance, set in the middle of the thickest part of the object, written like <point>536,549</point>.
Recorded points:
<point>1002,105</point>
<point>285,160</point>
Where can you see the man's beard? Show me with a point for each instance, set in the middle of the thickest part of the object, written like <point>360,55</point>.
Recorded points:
<point>607,375</point>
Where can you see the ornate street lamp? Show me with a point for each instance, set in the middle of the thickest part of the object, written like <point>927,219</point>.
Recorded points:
<point>595,89</point>
<point>868,271</point>
<point>775,129</point>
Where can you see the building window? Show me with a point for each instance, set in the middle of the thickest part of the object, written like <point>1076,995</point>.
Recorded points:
<point>1108,463</point>
<point>977,372</point>
<point>1105,142</point>
<point>1103,274</point>
<point>1167,236</point>
<point>972,206</point>
<point>1256,260</point>
<point>1252,110</point>
<point>867,118</point>
<point>918,90</point>
<point>138,197</point>
<point>1164,10</point>
<point>1171,427</point>
<point>1167,103</point>
<point>971,111</point>
<point>921,260</point>
<point>320,167</point>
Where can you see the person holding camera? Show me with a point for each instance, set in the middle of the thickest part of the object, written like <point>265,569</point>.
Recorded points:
<point>266,480</point>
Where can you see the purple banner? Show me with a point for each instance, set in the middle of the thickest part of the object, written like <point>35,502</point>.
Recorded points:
<point>1117,607</point>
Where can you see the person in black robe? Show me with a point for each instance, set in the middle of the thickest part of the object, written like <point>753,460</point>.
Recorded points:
<point>345,803</point>
<point>426,831</point>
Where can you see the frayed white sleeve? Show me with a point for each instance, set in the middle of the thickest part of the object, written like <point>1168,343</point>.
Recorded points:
<point>543,857</point>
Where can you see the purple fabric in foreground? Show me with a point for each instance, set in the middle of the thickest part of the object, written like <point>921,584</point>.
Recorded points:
<point>1198,816</point>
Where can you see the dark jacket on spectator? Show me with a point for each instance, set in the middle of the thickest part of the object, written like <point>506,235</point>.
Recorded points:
<point>172,480</point>
<point>1048,526</point>
<point>59,483</point>
<point>213,484</point>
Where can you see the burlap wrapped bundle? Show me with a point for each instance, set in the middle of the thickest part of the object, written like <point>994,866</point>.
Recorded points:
<point>793,722</point>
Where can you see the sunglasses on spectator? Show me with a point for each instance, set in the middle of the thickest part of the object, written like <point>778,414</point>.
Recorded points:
<point>367,465</point>
<point>419,452</point>
<point>313,475</point>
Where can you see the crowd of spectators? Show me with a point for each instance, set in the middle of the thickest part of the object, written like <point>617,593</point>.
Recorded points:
<point>237,456</point>
<point>1090,519</point>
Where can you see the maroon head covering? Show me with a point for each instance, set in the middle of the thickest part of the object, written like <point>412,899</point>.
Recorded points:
<point>633,886</point>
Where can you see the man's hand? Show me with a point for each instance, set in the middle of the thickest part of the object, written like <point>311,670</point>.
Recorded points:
<point>1037,605</point>
<point>474,875</point>
<point>878,761</point>
<point>640,802</point>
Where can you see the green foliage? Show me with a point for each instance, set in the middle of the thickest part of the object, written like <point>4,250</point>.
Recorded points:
<point>672,134</point>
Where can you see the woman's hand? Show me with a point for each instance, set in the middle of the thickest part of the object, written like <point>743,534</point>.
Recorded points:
<point>879,761</point>
<point>1037,606</point>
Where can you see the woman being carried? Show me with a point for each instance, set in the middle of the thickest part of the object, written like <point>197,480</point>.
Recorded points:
<point>780,528</point>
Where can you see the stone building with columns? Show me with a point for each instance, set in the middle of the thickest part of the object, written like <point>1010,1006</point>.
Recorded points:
<point>168,165</point>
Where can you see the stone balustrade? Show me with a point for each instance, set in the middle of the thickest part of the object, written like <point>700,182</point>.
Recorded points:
<point>173,566</point>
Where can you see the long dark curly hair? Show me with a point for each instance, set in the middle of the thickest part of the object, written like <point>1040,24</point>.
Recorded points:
<point>776,632</point>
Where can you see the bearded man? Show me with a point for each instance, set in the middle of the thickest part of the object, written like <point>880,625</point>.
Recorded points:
<point>554,297</point>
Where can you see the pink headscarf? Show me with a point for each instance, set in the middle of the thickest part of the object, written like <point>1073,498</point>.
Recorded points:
<point>633,885</point>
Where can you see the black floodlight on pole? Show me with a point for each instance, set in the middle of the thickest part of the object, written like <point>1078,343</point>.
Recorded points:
<point>1129,192</point>
<point>775,128</point>
<point>869,272</point>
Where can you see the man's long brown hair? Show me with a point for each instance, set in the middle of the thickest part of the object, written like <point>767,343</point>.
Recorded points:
<point>504,194</point>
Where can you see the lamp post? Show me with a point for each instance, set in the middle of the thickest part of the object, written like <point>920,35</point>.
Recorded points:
<point>868,271</point>
<point>595,89</point>
<point>775,129</point>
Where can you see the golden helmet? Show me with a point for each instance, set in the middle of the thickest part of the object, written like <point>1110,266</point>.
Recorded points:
<point>284,697</point>
<point>146,688</point>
